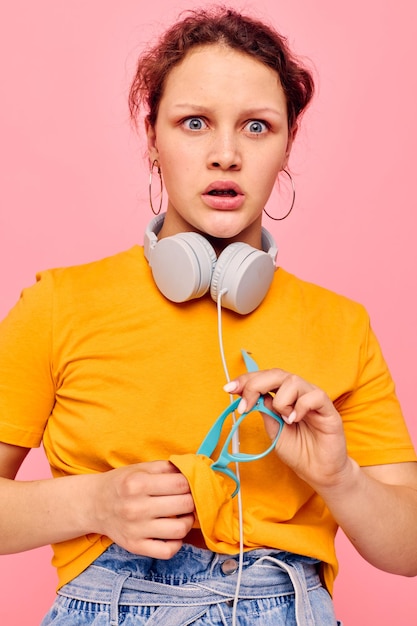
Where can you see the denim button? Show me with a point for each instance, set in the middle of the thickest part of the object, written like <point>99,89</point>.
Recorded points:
<point>230,566</point>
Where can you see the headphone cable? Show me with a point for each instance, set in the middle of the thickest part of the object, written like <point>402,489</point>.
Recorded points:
<point>235,449</point>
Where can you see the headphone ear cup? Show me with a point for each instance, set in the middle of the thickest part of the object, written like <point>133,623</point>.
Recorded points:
<point>245,273</point>
<point>182,266</point>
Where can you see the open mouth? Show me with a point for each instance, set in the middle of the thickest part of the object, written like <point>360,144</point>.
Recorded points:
<point>223,192</point>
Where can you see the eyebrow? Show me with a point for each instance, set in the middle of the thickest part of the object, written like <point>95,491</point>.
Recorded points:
<point>251,112</point>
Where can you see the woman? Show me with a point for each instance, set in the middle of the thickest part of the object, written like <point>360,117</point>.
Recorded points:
<point>122,378</point>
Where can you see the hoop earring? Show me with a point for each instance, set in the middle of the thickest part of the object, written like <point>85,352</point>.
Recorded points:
<point>155,164</point>
<point>279,219</point>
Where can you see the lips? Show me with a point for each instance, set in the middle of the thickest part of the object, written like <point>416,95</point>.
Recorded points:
<point>223,195</point>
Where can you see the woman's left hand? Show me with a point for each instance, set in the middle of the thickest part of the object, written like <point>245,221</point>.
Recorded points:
<point>313,445</point>
<point>312,442</point>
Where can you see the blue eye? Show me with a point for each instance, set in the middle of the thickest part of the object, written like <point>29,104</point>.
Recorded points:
<point>256,127</point>
<point>194,123</point>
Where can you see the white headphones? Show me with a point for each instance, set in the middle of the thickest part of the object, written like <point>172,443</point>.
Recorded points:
<point>184,266</point>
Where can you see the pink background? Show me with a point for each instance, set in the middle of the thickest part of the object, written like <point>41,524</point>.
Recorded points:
<point>73,188</point>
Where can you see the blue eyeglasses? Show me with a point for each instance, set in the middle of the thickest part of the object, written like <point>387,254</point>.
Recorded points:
<point>212,438</point>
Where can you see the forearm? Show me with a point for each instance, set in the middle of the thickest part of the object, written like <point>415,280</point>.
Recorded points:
<point>378,518</point>
<point>41,512</point>
<point>146,508</point>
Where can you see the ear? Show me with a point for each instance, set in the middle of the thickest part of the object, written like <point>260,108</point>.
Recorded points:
<point>291,136</point>
<point>151,138</point>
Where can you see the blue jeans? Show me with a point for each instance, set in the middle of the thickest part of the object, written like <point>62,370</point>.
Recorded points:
<point>194,587</point>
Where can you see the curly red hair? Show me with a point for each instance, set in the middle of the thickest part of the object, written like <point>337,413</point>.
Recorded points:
<point>218,25</point>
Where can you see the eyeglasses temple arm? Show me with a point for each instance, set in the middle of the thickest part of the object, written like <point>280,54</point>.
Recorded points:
<point>211,440</point>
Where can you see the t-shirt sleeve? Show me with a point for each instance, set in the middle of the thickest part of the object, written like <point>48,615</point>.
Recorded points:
<point>27,391</point>
<point>375,428</point>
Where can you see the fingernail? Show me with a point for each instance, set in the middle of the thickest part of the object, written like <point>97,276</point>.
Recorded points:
<point>291,417</point>
<point>231,387</point>
<point>242,406</point>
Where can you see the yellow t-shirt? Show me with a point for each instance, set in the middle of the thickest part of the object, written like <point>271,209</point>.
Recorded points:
<point>98,365</point>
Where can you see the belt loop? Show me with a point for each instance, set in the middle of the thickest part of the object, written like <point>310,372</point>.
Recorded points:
<point>121,578</point>
<point>214,563</point>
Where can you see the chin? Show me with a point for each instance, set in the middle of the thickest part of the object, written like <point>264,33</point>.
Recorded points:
<point>224,236</point>
<point>225,227</point>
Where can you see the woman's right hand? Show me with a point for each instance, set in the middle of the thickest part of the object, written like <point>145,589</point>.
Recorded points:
<point>145,508</point>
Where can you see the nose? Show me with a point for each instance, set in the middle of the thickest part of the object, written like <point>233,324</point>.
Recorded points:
<point>224,153</point>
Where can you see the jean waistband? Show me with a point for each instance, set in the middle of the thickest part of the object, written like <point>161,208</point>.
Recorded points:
<point>186,598</point>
